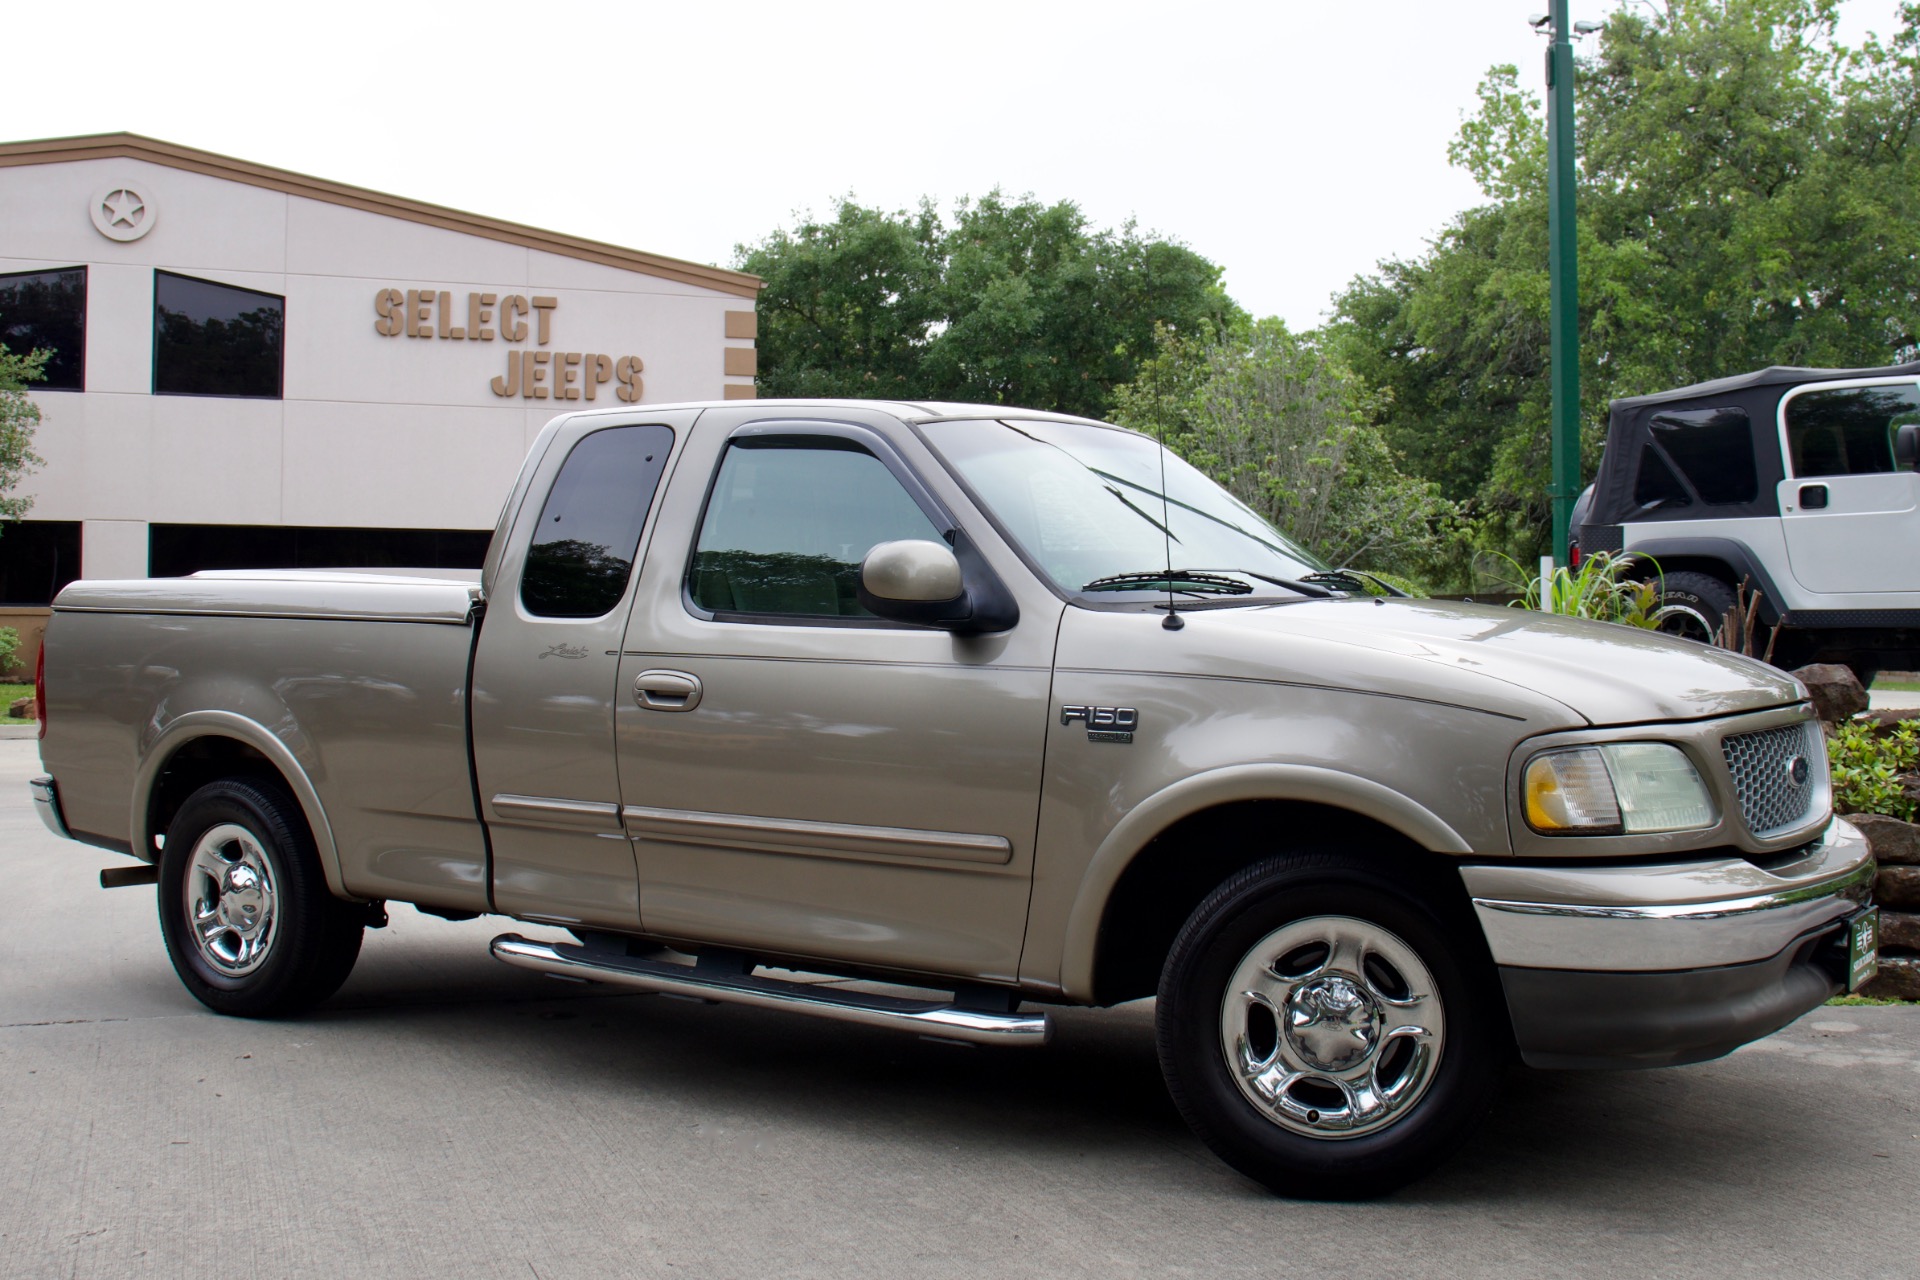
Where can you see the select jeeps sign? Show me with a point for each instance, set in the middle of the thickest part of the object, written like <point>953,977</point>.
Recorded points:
<point>531,374</point>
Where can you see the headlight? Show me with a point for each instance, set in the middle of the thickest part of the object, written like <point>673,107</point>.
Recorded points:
<point>1625,787</point>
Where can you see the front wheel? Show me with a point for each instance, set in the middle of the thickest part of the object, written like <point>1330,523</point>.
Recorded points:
<point>249,923</point>
<point>1324,1031</point>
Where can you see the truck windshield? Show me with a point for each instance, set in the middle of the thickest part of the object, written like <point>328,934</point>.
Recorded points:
<point>1084,503</point>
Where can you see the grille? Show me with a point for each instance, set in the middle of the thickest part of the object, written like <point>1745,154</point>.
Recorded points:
<point>1762,768</point>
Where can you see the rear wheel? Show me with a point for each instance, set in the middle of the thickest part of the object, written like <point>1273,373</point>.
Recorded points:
<point>1693,605</point>
<point>1322,1030</point>
<point>249,923</point>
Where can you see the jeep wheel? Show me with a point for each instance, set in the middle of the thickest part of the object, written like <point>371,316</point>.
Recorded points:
<point>1322,1032</point>
<point>1692,606</point>
<point>249,923</point>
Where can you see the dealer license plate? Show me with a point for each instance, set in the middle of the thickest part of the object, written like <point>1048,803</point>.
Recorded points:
<point>1863,947</point>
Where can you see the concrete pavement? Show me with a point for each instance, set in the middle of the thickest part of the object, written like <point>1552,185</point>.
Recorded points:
<point>448,1116</point>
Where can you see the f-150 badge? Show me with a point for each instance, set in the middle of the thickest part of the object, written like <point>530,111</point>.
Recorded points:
<point>1104,724</point>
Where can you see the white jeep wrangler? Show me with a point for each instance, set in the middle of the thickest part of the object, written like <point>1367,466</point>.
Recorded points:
<point>1798,485</point>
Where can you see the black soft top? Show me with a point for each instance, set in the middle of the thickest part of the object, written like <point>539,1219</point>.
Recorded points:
<point>1721,403</point>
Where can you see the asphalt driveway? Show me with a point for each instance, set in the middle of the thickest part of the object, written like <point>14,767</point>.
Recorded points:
<point>447,1116</point>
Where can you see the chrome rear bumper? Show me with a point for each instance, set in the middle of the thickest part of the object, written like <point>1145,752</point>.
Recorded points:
<point>46,803</point>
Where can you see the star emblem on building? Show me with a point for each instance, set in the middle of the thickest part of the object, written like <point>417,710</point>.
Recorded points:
<point>123,208</point>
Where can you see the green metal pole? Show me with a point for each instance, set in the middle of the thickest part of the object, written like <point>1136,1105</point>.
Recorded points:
<point>1563,267</point>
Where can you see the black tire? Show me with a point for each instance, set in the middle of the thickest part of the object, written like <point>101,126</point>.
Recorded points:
<point>1693,605</point>
<point>1446,1081</point>
<point>274,941</point>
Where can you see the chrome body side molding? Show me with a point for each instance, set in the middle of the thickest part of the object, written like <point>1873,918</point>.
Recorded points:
<point>819,839</point>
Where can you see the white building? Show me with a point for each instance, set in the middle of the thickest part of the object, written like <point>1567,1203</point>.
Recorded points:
<point>256,368</point>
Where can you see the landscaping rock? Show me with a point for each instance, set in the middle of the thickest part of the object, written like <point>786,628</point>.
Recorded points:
<point>1893,842</point>
<point>1899,929</point>
<point>24,709</point>
<point>1837,693</point>
<point>1898,887</point>
<point>1898,979</point>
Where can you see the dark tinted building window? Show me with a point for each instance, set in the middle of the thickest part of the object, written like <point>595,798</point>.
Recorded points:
<point>174,550</point>
<point>1848,432</point>
<point>1714,450</point>
<point>214,339</point>
<point>37,558</point>
<point>788,525</point>
<point>589,532</point>
<point>47,311</point>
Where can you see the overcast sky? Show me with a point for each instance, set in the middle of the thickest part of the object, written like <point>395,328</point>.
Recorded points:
<point>1294,143</point>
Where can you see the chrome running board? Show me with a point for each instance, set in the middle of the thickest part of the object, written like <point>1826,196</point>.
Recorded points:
<point>949,1021</point>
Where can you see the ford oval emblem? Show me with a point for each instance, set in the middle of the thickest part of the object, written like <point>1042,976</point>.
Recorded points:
<point>1799,770</point>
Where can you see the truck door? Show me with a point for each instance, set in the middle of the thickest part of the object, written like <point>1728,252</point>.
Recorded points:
<point>1851,518</point>
<point>544,673</point>
<point>799,776</point>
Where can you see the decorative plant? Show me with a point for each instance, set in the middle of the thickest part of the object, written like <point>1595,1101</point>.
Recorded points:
<point>1873,768</point>
<point>9,648</point>
<point>1603,587</point>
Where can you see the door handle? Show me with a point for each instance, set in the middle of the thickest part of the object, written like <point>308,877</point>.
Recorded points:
<point>666,691</point>
<point>1813,497</point>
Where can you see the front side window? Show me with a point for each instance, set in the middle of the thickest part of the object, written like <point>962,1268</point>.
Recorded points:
<point>589,532</point>
<point>788,523</point>
<point>1085,504</point>
<point>1848,431</point>
<point>47,311</point>
<point>216,339</point>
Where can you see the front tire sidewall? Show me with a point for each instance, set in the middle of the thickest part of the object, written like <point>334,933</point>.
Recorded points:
<point>311,937</point>
<point>1218,936</point>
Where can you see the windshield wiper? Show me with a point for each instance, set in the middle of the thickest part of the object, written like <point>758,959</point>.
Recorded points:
<point>1357,578</point>
<point>1193,582</point>
<point>1307,586</point>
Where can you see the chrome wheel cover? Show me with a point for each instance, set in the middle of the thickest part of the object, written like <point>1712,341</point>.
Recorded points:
<point>231,900</point>
<point>1684,621</point>
<point>1332,1027</point>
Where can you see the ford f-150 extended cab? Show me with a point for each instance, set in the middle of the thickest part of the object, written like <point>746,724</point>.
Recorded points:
<point>1008,707</point>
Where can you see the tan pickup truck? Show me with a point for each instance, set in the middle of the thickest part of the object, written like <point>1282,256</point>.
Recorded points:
<point>1006,707</point>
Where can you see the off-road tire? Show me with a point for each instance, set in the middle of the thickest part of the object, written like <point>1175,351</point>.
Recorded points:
<point>1693,603</point>
<point>290,943</point>
<point>1200,993</point>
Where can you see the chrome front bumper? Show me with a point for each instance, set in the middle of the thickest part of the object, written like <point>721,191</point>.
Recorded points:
<point>1653,965</point>
<point>1681,915</point>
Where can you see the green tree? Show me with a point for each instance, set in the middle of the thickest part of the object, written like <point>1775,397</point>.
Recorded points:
<point>1748,196</point>
<point>19,415</point>
<point>1286,427</point>
<point>1011,302</point>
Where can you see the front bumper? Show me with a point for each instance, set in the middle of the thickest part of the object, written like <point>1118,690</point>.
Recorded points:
<point>1643,966</point>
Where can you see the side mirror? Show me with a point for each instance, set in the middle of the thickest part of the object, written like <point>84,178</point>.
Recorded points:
<point>922,582</point>
<point>1906,448</point>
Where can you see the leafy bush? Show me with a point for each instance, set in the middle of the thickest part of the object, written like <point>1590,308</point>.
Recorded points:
<point>9,648</point>
<point>1602,588</point>
<point>1868,764</point>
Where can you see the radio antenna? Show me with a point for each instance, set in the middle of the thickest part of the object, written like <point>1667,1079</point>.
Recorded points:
<point>1173,621</point>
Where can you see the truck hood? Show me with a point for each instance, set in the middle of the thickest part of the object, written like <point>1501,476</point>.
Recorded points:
<point>1605,673</point>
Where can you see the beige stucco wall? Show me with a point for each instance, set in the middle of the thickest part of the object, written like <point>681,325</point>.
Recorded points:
<point>374,431</point>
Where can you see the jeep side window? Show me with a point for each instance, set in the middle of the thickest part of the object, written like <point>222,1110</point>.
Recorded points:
<point>1848,431</point>
<point>589,531</point>
<point>788,524</point>
<point>1656,485</point>
<point>1713,448</point>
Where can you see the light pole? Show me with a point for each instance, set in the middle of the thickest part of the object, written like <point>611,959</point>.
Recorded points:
<point>1563,268</point>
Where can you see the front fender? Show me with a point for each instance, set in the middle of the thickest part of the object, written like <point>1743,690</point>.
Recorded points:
<point>1228,785</point>
<point>190,725</point>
